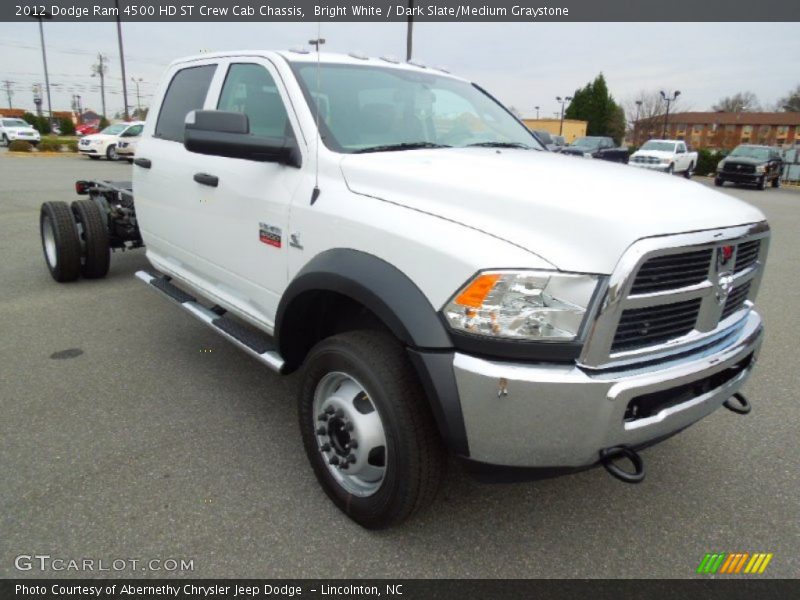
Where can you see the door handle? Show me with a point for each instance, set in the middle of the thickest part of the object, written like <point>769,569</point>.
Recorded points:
<point>145,163</point>
<point>206,179</point>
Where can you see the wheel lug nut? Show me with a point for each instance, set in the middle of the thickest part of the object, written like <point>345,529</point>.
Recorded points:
<point>338,413</point>
<point>325,447</point>
<point>329,410</point>
<point>334,460</point>
<point>321,431</point>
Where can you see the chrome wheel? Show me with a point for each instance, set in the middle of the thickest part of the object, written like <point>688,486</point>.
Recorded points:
<point>350,434</point>
<point>49,238</point>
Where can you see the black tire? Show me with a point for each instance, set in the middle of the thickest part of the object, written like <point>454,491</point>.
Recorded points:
<point>688,172</point>
<point>60,243</point>
<point>111,152</point>
<point>718,182</point>
<point>5,140</point>
<point>414,456</point>
<point>93,157</point>
<point>670,169</point>
<point>776,183</point>
<point>93,234</point>
<point>762,183</point>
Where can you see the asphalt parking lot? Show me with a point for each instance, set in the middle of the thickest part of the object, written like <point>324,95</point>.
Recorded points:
<point>161,441</point>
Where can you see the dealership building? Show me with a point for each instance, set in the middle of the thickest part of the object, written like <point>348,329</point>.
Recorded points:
<point>723,130</point>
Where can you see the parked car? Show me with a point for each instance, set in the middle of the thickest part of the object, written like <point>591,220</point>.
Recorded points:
<point>546,138</point>
<point>87,128</point>
<point>126,146</point>
<point>600,147</point>
<point>431,296</point>
<point>752,165</point>
<point>668,156</point>
<point>17,129</point>
<point>558,142</point>
<point>105,143</point>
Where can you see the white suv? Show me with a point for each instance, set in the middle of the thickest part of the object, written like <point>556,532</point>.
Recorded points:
<point>105,143</point>
<point>17,129</point>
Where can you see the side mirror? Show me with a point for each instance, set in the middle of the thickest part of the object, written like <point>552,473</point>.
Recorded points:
<point>223,133</point>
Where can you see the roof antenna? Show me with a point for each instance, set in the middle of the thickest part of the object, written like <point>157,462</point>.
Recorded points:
<point>317,43</point>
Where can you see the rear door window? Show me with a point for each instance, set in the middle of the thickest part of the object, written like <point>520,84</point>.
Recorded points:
<point>187,92</point>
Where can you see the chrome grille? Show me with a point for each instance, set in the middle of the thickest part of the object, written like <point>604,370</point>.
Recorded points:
<point>736,300</point>
<point>670,294</point>
<point>672,271</point>
<point>640,327</point>
<point>747,254</point>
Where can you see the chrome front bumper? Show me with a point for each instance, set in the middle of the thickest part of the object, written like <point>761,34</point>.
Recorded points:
<point>650,166</point>
<point>528,415</point>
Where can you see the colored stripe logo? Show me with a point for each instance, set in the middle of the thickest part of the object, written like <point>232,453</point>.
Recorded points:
<point>734,563</point>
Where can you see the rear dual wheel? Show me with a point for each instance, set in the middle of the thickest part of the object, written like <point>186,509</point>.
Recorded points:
<point>368,429</point>
<point>60,241</point>
<point>93,235</point>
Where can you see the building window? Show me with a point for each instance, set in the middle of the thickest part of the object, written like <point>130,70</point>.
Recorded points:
<point>747,132</point>
<point>783,132</point>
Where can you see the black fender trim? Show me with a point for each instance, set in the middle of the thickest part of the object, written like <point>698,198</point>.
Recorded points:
<point>376,284</point>
<point>397,301</point>
<point>435,370</point>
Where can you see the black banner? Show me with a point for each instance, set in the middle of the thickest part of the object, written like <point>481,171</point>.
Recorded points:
<point>404,589</point>
<point>400,10</point>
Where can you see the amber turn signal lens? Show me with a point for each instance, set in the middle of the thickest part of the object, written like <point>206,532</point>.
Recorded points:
<point>477,291</point>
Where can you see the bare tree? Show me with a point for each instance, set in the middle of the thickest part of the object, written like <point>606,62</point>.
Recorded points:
<point>648,104</point>
<point>791,102</point>
<point>739,102</point>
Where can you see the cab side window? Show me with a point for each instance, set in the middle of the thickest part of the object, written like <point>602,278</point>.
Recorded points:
<point>187,92</point>
<point>250,89</point>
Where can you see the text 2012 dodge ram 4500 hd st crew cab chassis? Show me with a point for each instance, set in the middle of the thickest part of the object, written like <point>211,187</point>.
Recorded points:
<point>441,281</point>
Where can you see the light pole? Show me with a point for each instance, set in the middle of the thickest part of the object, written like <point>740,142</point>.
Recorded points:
<point>537,112</point>
<point>122,64</point>
<point>136,82</point>
<point>636,122</point>
<point>562,101</point>
<point>669,100</point>
<point>410,30</point>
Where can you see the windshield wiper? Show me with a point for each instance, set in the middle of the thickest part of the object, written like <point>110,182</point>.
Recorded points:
<point>501,145</point>
<point>401,146</point>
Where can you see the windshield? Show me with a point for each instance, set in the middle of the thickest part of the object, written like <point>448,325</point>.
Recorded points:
<point>660,146</point>
<point>15,123</point>
<point>364,108</point>
<point>115,129</point>
<point>587,142</point>
<point>751,152</point>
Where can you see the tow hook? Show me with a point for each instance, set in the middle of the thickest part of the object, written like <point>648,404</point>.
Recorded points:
<point>608,455</point>
<point>742,405</point>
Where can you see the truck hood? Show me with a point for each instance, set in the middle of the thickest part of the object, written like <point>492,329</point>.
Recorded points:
<point>577,215</point>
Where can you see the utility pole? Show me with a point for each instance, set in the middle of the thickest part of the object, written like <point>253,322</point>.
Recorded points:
<point>138,99</point>
<point>537,112</point>
<point>44,61</point>
<point>410,30</point>
<point>636,122</point>
<point>122,64</point>
<point>562,101</point>
<point>99,70</point>
<point>9,92</point>
<point>668,100</point>
<point>37,98</point>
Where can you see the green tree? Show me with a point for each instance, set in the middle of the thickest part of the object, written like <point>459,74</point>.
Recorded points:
<point>67,126</point>
<point>594,104</point>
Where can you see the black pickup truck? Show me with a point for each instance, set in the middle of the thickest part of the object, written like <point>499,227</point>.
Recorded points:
<point>750,164</point>
<point>600,147</point>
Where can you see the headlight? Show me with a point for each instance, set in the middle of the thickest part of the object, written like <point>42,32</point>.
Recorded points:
<point>664,161</point>
<point>720,165</point>
<point>760,169</point>
<point>522,305</point>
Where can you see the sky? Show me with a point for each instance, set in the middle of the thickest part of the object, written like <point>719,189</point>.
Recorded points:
<point>523,64</point>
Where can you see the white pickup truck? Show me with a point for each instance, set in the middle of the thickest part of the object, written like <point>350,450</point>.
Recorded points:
<point>399,236</point>
<point>668,156</point>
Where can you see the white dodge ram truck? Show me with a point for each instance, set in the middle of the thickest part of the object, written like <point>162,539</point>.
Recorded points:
<point>396,234</point>
<point>668,156</point>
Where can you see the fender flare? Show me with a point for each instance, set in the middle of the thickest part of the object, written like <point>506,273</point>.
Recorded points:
<point>402,307</point>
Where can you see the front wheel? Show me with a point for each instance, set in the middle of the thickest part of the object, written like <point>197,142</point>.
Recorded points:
<point>5,140</point>
<point>368,430</point>
<point>776,183</point>
<point>111,152</point>
<point>718,182</point>
<point>670,169</point>
<point>762,183</point>
<point>689,170</point>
